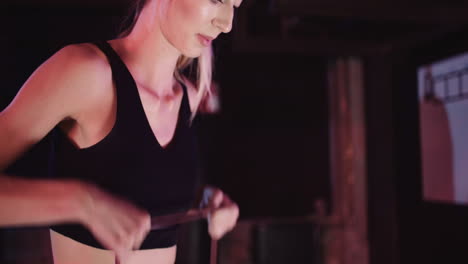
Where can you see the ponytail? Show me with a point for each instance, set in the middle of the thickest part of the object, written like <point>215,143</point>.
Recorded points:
<point>204,75</point>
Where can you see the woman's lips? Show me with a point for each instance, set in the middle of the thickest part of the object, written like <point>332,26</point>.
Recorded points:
<point>205,40</point>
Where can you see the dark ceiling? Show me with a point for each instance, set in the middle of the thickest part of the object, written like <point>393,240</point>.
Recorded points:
<point>349,27</point>
<point>318,26</point>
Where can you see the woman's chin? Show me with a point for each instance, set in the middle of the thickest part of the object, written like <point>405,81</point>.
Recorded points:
<point>192,54</point>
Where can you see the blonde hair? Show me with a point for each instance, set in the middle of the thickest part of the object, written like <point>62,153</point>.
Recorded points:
<point>204,65</point>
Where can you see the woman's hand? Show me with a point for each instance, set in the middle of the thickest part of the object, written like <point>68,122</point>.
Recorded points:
<point>223,214</point>
<point>115,223</point>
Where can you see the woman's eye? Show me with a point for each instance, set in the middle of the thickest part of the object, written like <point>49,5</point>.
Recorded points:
<point>218,1</point>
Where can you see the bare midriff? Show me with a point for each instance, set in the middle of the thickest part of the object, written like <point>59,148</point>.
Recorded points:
<point>68,251</point>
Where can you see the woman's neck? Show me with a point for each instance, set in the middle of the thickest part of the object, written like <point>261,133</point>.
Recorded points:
<point>148,54</point>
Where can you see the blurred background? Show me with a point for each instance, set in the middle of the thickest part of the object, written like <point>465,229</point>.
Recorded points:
<point>318,133</point>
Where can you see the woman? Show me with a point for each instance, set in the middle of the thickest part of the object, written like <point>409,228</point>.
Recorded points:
<point>124,149</point>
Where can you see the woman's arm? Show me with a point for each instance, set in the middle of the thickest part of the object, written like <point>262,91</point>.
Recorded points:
<point>40,202</point>
<point>63,87</point>
<point>117,224</point>
<point>52,93</point>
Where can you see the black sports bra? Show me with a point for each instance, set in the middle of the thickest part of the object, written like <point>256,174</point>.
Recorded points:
<point>130,163</point>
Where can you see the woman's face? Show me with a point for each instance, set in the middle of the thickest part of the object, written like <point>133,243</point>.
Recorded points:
<point>191,25</point>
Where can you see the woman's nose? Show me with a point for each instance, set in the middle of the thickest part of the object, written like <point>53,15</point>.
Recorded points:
<point>223,20</point>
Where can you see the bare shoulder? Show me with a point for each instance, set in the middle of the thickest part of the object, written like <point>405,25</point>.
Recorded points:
<point>65,84</point>
<point>80,62</point>
<point>84,52</point>
<point>75,74</point>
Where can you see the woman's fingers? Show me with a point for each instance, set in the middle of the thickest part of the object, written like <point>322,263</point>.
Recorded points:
<point>213,198</point>
<point>137,223</point>
<point>116,224</point>
<point>142,231</point>
<point>223,220</point>
<point>224,212</point>
<point>218,198</point>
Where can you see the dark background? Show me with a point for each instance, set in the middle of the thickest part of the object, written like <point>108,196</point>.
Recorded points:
<point>268,148</point>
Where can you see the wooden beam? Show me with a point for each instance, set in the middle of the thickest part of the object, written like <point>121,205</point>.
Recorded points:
<point>440,12</point>
<point>307,46</point>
